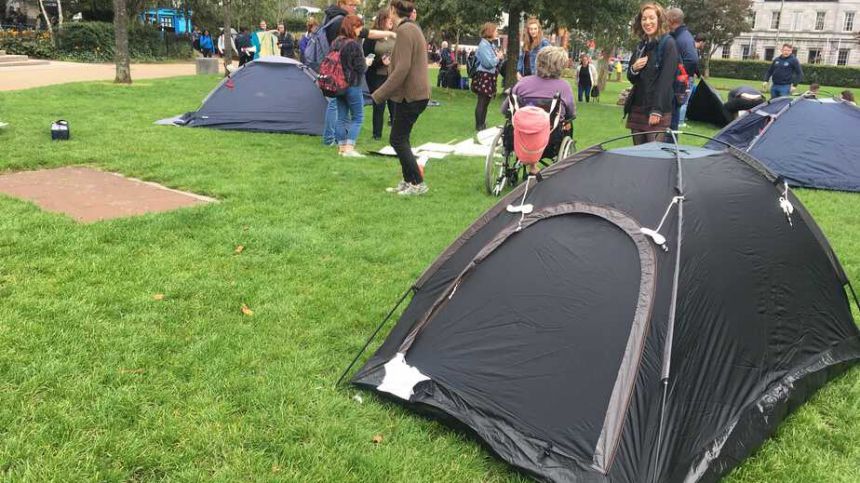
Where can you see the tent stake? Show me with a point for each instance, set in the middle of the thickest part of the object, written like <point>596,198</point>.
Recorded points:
<point>373,336</point>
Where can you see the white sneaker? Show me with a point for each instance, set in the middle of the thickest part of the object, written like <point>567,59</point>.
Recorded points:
<point>352,154</point>
<point>414,190</point>
<point>396,189</point>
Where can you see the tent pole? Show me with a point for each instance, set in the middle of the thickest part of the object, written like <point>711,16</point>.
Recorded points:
<point>670,329</point>
<point>373,336</point>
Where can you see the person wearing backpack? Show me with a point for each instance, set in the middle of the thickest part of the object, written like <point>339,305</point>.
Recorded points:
<point>311,26</point>
<point>484,79</point>
<point>408,85</point>
<point>689,57</point>
<point>350,103</point>
<point>318,47</point>
<point>652,73</point>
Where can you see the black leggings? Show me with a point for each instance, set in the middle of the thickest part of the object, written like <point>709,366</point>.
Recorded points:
<point>405,115</point>
<point>481,112</point>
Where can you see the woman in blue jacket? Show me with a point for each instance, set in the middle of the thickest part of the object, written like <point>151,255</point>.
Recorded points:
<point>484,81</point>
<point>533,42</point>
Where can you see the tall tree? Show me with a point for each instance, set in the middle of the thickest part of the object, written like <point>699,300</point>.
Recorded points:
<point>719,20</point>
<point>121,56</point>
<point>46,18</point>
<point>228,45</point>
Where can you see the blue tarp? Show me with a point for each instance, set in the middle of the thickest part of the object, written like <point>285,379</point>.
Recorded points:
<point>812,143</point>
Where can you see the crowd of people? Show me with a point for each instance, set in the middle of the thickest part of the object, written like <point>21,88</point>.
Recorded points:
<point>390,61</point>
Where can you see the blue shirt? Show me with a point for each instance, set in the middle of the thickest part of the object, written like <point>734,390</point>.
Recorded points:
<point>532,57</point>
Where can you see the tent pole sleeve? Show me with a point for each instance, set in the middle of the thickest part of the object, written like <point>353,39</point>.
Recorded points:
<point>670,328</point>
<point>373,336</point>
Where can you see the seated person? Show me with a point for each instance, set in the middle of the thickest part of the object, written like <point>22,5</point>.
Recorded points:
<point>848,97</point>
<point>742,99</point>
<point>538,89</point>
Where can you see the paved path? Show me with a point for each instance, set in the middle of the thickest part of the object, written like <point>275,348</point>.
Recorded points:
<point>25,77</point>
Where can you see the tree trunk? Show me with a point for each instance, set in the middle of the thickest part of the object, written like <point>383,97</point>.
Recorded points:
<point>513,51</point>
<point>59,13</point>
<point>228,37</point>
<point>603,68</point>
<point>121,57</point>
<point>47,19</point>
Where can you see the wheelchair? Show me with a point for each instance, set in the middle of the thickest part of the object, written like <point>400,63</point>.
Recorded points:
<point>502,169</point>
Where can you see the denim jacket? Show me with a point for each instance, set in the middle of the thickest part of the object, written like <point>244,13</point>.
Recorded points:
<point>532,57</point>
<point>486,56</point>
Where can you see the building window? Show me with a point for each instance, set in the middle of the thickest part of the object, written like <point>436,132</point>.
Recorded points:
<point>774,20</point>
<point>819,20</point>
<point>849,22</point>
<point>166,22</point>
<point>797,19</point>
<point>745,52</point>
<point>814,56</point>
<point>727,52</point>
<point>752,21</point>
<point>768,53</point>
<point>842,59</point>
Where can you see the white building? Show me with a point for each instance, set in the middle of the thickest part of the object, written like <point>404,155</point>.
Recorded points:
<point>822,32</point>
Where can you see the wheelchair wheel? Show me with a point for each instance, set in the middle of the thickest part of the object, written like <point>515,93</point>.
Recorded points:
<point>498,168</point>
<point>568,147</point>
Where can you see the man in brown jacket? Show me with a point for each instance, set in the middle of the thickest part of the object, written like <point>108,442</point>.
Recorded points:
<point>408,86</point>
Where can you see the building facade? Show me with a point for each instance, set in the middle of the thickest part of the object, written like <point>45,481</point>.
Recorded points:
<point>822,32</point>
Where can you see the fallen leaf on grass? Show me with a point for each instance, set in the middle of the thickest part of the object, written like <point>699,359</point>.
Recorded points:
<point>358,398</point>
<point>246,310</point>
<point>377,439</point>
<point>276,469</point>
<point>239,249</point>
<point>158,296</point>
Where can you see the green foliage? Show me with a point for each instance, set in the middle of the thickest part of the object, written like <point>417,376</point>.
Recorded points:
<point>839,76</point>
<point>37,45</point>
<point>94,42</point>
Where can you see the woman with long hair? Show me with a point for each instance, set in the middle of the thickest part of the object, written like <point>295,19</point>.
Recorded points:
<point>652,72</point>
<point>484,80</point>
<point>408,85</point>
<point>311,25</point>
<point>533,42</point>
<point>586,78</point>
<point>350,105</point>
<point>377,72</point>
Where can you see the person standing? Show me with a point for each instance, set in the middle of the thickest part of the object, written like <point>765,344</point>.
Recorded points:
<point>408,85</point>
<point>221,39</point>
<point>334,16</point>
<point>311,26</point>
<point>533,42</point>
<point>245,48</point>
<point>285,42</point>
<point>586,78</point>
<point>206,46</point>
<point>446,62</point>
<point>689,56</point>
<point>263,42</point>
<point>484,79</point>
<point>652,72</point>
<point>784,72</point>
<point>350,105</point>
<point>377,72</point>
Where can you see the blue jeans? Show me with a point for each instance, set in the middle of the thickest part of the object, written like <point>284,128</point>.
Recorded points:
<point>350,114</point>
<point>583,89</point>
<point>679,110</point>
<point>330,122</point>
<point>682,115</point>
<point>780,90</point>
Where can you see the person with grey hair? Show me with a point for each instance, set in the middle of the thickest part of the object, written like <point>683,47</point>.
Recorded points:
<point>688,55</point>
<point>533,89</point>
<point>446,62</point>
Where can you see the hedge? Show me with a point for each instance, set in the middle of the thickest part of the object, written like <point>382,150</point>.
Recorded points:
<point>826,75</point>
<point>94,42</point>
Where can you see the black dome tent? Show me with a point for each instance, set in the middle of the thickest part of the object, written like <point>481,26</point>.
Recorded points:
<point>640,314</point>
<point>706,105</point>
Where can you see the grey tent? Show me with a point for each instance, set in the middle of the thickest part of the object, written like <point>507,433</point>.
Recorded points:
<point>271,94</point>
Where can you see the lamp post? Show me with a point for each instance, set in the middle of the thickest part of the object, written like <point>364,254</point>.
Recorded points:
<point>779,23</point>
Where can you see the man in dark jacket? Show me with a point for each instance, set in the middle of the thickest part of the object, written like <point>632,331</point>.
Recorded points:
<point>445,62</point>
<point>285,42</point>
<point>784,72</point>
<point>688,55</point>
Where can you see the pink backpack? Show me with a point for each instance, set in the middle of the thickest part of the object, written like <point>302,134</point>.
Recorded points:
<point>531,133</point>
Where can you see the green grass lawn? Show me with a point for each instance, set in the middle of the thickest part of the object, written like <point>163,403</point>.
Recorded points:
<point>101,381</point>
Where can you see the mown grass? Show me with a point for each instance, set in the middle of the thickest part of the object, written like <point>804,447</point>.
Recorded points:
<point>101,381</point>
